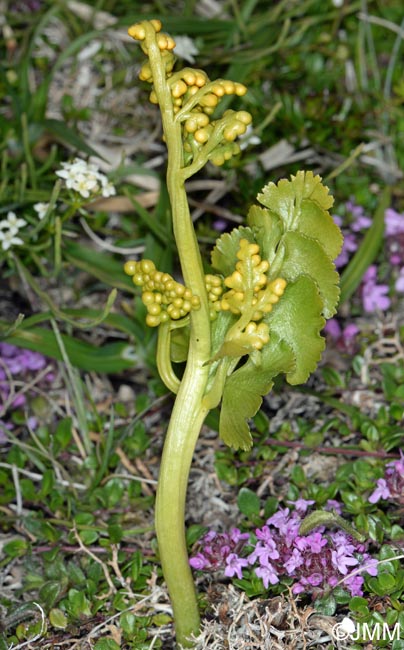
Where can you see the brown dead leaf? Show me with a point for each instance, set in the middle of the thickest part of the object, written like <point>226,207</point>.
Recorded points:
<point>122,204</point>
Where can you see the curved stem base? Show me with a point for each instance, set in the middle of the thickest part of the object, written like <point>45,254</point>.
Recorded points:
<point>185,424</point>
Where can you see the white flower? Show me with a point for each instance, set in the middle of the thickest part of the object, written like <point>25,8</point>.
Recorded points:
<point>41,209</point>
<point>12,222</point>
<point>107,189</point>
<point>70,171</point>
<point>248,138</point>
<point>84,178</point>
<point>84,185</point>
<point>9,239</point>
<point>185,48</point>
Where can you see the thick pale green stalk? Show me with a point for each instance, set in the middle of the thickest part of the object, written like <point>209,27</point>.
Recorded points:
<point>183,431</point>
<point>185,424</point>
<point>188,413</point>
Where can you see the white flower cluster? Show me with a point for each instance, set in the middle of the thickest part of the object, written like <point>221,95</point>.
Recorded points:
<point>9,228</point>
<point>84,178</point>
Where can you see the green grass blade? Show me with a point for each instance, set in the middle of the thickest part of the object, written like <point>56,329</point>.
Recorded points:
<point>151,220</point>
<point>107,451</point>
<point>115,321</point>
<point>100,265</point>
<point>68,136</point>
<point>59,313</point>
<point>9,329</point>
<point>75,384</point>
<point>110,358</point>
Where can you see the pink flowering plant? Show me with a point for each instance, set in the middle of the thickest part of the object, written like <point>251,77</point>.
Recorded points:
<point>279,553</point>
<point>391,486</point>
<point>386,228</point>
<point>19,368</point>
<point>371,262</point>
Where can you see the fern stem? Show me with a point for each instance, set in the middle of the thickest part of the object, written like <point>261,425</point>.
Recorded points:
<point>188,412</point>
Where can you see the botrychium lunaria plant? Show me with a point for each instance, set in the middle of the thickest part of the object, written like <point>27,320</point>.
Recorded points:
<point>257,313</point>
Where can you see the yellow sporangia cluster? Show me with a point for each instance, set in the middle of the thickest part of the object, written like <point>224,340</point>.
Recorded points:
<point>164,297</point>
<point>251,294</point>
<point>198,129</point>
<point>194,99</point>
<point>214,287</point>
<point>249,286</point>
<point>253,335</point>
<point>164,42</point>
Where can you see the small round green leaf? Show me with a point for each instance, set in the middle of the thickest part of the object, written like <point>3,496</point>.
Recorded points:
<point>106,644</point>
<point>58,619</point>
<point>248,502</point>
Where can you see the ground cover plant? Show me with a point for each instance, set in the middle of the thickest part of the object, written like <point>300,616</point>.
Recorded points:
<point>296,538</point>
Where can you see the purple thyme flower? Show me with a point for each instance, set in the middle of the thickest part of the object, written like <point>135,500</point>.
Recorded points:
<point>287,526</point>
<point>395,258</point>
<point>370,564</point>
<point>264,551</point>
<point>398,465</point>
<point>280,518</point>
<point>315,579</point>
<point>359,220</point>
<point>342,559</point>
<point>361,223</point>
<point>399,285</point>
<point>4,427</point>
<point>349,246</point>
<point>392,485</point>
<point>236,536</point>
<point>333,328</point>
<point>301,505</point>
<point>394,229</point>
<point>7,350</point>
<point>394,223</point>
<point>349,332</point>
<point>370,274</point>
<point>20,365</point>
<point>355,221</point>
<point>199,561</point>
<point>214,549</point>
<point>267,575</point>
<point>32,360</point>
<point>381,492</point>
<point>295,561</point>
<point>316,562</point>
<point>234,566</point>
<point>344,338</point>
<point>332,504</point>
<point>220,225</point>
<point>355,584</point>
<point>374,295</point>
<point>314,542</point>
